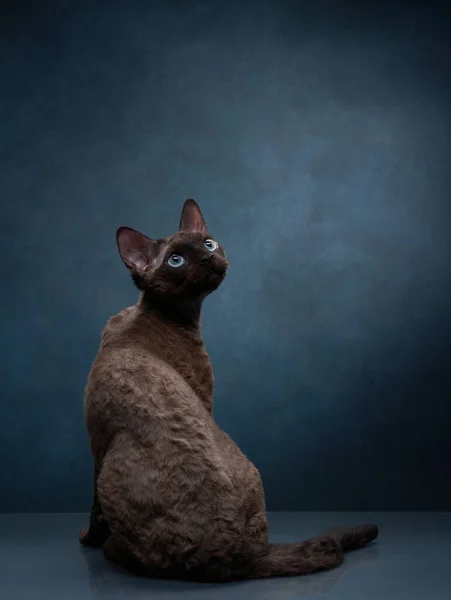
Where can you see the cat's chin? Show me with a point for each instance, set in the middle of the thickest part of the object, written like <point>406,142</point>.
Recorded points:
<point>216,277</point>
<point>209,284</point>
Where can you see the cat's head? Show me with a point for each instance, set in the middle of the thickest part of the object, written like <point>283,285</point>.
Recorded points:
<point>188,265</point>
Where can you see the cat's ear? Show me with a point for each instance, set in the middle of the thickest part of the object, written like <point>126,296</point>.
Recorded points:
<point>192,219</point>
<point>136,250</point>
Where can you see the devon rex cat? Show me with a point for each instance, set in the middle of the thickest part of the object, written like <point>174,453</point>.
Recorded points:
<point>174,496</point>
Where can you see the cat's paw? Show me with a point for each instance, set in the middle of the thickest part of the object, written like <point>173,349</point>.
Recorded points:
<point>93,537</point>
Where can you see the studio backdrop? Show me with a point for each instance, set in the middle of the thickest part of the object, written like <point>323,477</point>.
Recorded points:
<point>316,139</point>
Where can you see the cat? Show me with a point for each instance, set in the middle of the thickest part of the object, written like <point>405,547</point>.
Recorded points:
<point>174,497</point>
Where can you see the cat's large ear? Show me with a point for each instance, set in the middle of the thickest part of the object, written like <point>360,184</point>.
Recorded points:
<point>136,250</point>
<point>192,219</point>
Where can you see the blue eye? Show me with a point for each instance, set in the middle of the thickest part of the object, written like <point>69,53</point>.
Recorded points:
<point>211,245</point>
<point>175,260</point>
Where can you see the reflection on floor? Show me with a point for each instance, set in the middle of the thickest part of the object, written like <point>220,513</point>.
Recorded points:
<point>40,558</point>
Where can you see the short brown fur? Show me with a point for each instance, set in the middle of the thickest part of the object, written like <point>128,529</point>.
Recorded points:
<point>174,495</point>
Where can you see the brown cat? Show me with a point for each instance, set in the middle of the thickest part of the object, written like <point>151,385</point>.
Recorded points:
<point>174,496</point>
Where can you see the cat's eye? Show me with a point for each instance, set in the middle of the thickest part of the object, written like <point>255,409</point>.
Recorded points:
<point>211,245</point>
<point>175,260</point>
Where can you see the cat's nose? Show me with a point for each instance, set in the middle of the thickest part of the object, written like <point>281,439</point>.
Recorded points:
<point>207,259</point>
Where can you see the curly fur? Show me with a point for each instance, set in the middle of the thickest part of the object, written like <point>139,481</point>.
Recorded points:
<point>174,495</point>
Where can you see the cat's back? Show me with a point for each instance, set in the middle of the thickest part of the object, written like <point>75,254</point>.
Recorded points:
<point>125,344</point>
<point>117,325</point>
<point>132,368</point>
<point>132,387</point>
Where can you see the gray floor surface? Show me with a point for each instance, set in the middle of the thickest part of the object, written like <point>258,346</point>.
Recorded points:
<point>40,558</point>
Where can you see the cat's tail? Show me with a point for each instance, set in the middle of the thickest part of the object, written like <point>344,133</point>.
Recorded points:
<point>317,554</point>
<point>279,560</point>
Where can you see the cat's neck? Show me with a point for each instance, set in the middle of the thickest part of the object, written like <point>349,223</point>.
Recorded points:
<point>180,314</point>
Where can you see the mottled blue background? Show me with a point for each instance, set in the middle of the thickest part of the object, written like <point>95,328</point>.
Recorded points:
<point>316,138</point>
